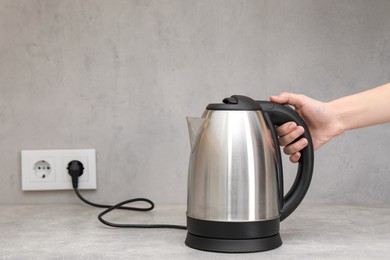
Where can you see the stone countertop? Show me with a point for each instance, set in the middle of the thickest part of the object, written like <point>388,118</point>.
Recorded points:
<point>73,232</point>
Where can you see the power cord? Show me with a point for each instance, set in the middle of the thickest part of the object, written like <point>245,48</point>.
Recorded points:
<point>76,169</point>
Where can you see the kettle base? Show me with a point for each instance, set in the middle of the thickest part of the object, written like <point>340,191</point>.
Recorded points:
<point>233,245</point>
<point>233,237</point>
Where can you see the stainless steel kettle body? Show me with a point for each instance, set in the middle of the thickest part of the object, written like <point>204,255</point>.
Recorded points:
<point>232,169</point>
<point>235,184</point>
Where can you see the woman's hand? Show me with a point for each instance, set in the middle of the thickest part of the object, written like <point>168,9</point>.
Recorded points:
<point>318,116</point>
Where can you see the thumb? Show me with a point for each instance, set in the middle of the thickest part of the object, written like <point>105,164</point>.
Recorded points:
<point>295,100</point>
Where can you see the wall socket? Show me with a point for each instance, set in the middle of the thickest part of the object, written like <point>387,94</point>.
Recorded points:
<point>47,169</point>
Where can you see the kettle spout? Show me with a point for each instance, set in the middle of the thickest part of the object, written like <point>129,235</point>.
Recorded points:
<point>196,126</point>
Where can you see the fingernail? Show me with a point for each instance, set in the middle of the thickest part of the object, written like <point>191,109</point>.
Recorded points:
<point>300,130</point>
<point>295,157</point>
<point>304,141</point>
<point>292,126</point>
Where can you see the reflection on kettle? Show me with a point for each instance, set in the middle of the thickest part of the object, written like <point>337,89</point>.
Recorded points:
<point>235,183</point>
<point>196,125</point>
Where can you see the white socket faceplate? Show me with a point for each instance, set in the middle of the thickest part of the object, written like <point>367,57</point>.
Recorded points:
<point>47,169</point>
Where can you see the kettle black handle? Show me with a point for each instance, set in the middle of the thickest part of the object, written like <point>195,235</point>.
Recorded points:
<point>278,115</point>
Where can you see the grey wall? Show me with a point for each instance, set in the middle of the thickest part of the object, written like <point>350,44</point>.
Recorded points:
<point>121,76</point>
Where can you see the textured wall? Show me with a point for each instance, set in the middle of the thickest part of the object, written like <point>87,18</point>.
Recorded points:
<point>121,76</point>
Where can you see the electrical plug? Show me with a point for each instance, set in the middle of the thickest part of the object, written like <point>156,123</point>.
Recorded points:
<point>75,170</point>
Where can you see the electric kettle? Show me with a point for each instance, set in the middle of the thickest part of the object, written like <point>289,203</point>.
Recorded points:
<point>235,183</point>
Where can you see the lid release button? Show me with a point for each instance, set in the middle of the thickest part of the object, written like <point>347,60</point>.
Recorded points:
<point>230,100</point>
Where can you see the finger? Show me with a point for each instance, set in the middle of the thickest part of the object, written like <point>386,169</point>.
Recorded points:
<point>295,147</point>
<point>294,158</point>
<point>286,128</point>
<point>278,99</point>
<point>290,137</point>
<point>289,98</point>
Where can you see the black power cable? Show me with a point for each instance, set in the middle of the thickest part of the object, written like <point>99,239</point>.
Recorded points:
<point>75,170</point>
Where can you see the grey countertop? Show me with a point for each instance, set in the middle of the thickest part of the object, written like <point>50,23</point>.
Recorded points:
<point>73,232</point>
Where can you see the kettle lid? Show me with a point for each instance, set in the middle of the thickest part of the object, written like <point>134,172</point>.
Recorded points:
<point>236,102</point>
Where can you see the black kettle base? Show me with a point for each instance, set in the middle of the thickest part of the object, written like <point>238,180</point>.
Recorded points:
<point>233,245</point>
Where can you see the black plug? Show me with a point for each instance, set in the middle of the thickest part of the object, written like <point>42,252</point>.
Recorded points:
<point>75,170</point>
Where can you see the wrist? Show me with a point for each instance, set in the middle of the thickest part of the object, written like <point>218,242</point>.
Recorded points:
<point>337,124</point>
